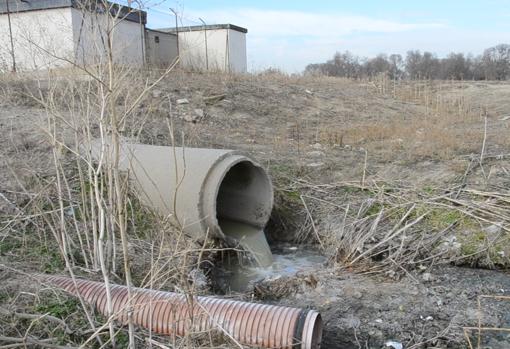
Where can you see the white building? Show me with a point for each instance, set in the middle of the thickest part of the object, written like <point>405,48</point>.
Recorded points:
<point>212,47</point>
<point>43,34</point>
<point>56,33</point>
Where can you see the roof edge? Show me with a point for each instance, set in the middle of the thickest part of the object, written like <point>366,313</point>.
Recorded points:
<point>206,27</point>
<point>126,12</point>
<point>159,31</point>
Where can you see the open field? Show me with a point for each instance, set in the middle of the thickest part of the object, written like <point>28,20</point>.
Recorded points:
<point>404,187</point>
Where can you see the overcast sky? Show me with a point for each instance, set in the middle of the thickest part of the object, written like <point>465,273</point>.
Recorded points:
<point>289,34</point>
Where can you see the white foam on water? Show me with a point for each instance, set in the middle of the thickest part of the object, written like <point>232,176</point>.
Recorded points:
<point>286,262</point>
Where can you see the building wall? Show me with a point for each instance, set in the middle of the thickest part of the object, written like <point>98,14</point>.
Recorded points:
<point>91,42</point>
<point>237,51</point>
<point>226,50</point>
<point>54,37</point>
<point>162,53</point>
<point>40,39</point>
<point>192,49</point>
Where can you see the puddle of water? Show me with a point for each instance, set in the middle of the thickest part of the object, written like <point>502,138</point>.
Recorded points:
<point>250,239</point>
<point>287,261</point>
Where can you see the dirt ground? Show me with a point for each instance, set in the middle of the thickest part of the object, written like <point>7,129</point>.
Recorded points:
<point>313,134</point>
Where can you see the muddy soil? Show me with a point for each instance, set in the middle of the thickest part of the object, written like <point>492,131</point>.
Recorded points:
<point>425,310</point>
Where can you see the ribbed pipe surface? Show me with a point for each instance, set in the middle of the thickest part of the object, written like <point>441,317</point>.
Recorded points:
<point>170,313</point>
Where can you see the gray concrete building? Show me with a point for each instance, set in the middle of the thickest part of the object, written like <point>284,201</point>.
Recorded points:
<point>42,34</point>
<point>217,47</point>
<point>39,34</point>
<point>161,47</point>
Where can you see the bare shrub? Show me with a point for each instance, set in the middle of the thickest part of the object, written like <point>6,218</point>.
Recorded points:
<point>83,214</point>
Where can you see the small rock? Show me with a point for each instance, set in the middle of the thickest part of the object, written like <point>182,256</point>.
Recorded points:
<point>190,118</point>
<point>182,101</point>
<point>214,99</point>
<point>450,245</point>
<point>198,278</point>
<point>315,164</point>
<point>357,294</point>
<point>426,277</point>
<point>309,92</point>
<point>199,113</point>
<point>493,229</point>
<point>393,345</point>
<point>315,154</point>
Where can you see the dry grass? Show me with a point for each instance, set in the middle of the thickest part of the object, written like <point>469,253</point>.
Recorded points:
<point>288,113</point>
<point>448,124</point>
<point>394,227</point>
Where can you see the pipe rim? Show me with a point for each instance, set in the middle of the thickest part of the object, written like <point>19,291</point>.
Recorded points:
<point>312,331</point>
<point>213,219</point>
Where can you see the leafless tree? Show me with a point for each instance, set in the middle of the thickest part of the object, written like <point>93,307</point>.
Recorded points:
<point>493,64</point>
<point>496,62</point>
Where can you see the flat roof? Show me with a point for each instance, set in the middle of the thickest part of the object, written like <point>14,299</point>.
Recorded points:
<point>126,12</point>
<point>202,27</point>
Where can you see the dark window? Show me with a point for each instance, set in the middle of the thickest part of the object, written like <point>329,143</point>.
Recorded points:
<point>156,39</point>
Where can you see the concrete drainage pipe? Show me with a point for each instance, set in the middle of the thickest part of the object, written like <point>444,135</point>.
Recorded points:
<point>251,324</point>
<point>205,191</point>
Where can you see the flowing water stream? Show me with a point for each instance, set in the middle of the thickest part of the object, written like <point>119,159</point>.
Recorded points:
<point>250,239</point>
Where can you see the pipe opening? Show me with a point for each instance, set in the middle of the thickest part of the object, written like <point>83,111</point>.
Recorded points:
<point>243,207</point>
<point>245,195</point>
